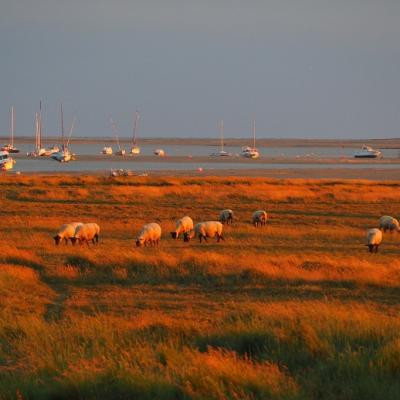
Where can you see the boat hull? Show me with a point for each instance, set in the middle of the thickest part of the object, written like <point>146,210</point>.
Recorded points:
<point>367,156</point>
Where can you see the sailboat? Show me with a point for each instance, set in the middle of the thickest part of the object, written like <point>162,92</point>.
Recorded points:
<point>251,152</point>
<point>39,150</point>
<point>222,152</point>
<point>120,151</point>
<point>64,155</point>
<point>10,146</point>
<point>135,149</point>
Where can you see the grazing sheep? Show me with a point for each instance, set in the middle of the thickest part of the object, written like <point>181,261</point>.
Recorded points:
<point>86,233</point>
<point>259,218</point>
<point>226,217</point>
<point>374,239</point>
<point>67,231</point>
<point>204,230</point>
<point>185,224</point>
<point>150,233</point>
<point>388,223</point>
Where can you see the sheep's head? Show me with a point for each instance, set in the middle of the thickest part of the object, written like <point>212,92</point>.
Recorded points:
<point>174,235</point>
<point>73,240</point>
<point>187,236</point>
<point>57,239</point>
<point>139,242</point>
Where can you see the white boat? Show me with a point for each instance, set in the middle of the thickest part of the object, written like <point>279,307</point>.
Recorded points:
<point>64,155</point>
<point>251,152</point>
<point>222,152</point>
<point>6,162</point>
<point>10,146</point>
<point>159,152</point>
<point>367,152</point>
<point>135,149</point>
<point>107,150</point>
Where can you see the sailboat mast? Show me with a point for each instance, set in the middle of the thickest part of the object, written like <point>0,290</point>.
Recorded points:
<point>135,127</point>
<point>221,132</point>
<point>254,133</point>
<point>12,126</point>
<point>62,126</point>
<point>36,131</point>
<point>40,125</point>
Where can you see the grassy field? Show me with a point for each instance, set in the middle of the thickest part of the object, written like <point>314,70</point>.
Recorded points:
<point>295,310</point>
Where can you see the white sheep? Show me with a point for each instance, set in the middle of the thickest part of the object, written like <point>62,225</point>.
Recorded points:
<point>67,231</point>
<point>259,218</point>
<point>389,223</point>
<point>204,230</point>
<point>374,239</point>
<point>226,216</point>
<point>86,233</point>
<point>150,233</point>
<point>184,224</point>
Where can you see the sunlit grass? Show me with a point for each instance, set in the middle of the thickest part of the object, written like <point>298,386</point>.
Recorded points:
<point>295,310</point>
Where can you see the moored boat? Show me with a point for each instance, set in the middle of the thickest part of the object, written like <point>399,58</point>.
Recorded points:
<point>10,146</point>
<point>222,152</point>
<point>367,152</point>
<point>107,150</point>
<point>6,162</point>
<point>159,152</point>
<point>251,152</point>
<point>135,149</point>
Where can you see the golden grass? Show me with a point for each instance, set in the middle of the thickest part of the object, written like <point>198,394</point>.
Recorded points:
<point>298,309</point>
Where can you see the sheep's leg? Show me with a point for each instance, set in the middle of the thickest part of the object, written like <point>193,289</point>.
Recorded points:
<point>371,248</point>
<point>66,241</point>
<point>376,248</point>
<point>96,237</point>
<point>87,242</point>
<point>220,237</point>
<point>205,239</point>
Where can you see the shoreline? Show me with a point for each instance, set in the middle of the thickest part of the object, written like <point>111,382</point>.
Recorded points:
<point>137,159</point>
<point>284,173</point>
<point>387,143</point>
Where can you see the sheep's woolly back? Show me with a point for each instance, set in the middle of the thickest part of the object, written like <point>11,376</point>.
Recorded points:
<point>259,214</point>
<point>68,230</point>
<point>374,236</point>
<point>388,222</point>
<point>184,224</point>
<point>150,231</point>
<point>87,231</point>
<point>225,214</point>
<point>209,228</point>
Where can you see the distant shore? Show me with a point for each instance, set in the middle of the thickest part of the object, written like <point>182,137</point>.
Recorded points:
<point>389,143</point>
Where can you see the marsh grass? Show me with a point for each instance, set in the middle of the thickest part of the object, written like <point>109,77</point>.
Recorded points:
<point>295,310</point>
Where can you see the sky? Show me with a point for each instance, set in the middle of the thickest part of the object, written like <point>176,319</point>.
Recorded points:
<point>300,68</point>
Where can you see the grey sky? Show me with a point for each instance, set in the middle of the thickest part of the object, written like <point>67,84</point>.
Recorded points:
<point>303,68</point>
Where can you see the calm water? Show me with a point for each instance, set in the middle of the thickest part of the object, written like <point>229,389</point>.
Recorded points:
<point>185,150</point>
<point>48,165</point>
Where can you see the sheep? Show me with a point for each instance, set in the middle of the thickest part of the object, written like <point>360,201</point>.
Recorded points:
<point>86,233</point>
<point>374,239</point>
<point>204,230</point>
<point>259,218</point>
<point>389,223</point>
<point>67,231</point>
<point>150,233</point>
<point>184,224</point>
<point>226,216</point>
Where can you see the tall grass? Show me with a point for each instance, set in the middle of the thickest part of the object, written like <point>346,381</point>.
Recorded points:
<point>296,310</point>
